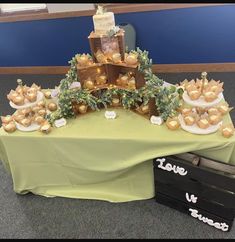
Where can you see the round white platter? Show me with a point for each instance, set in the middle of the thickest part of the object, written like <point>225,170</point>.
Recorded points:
<point>194,129</point>
<point>32,127</point>
<point>40,96</point>
<point>201,102</point>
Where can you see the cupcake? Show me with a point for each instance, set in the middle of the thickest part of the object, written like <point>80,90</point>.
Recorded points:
<point>227,130</point>
<point>200,110</point>
<point>20,89</point>
<point>35,109</point>
<point>189,120</point>
<point>191,85</point>
<point>82,60</point>
<point>41,104</point>
<point>26,122</point>
<point>184,83</point>
<point>10,127</point>
<point>39,119</point>
<point>224,108</point>
<point>115,102</point>
<point>116,58</point>
<point>203,123</point>
<point>143,109</point>
<point>212,110</point>
<point>210,96</point>
<point>101,58</point>
<point>18,117</point>
<point>25,111</point>
<point>18,100</point>
<point>31,96</point>
<point>11,95</point>
<point>131,83</point>
<point>101,79</point>
<point>194,95</point>
<point>7,119</point>
<point>185,110</point>
<point>131,59</point>
<point>214,119</point>
<point>172,123</point>
<point>45,128</point>
<point>42,112</point>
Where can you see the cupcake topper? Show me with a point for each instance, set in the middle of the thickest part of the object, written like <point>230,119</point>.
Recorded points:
<point>100,9</point>
<point>203,76</point>
<point>20,82</point>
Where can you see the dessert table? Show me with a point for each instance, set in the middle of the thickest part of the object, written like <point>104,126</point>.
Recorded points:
<point>95,158</point>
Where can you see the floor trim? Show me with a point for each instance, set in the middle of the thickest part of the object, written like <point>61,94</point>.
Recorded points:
<point>157,68</point>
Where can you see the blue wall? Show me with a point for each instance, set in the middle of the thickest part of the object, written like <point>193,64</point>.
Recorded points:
<point>193,35</point>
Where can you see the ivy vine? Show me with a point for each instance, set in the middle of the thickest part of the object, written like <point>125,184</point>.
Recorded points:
<point>167,99</point>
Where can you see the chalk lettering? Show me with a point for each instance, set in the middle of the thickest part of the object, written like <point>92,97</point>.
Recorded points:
<point>222,226</point>
<point>169,167</point>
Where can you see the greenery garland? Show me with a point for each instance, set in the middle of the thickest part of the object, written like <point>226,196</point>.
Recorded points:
<point>167,99</point>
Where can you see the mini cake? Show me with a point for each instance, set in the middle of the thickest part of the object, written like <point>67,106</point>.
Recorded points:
<point>103,21</point>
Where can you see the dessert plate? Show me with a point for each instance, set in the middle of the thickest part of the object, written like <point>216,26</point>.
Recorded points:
<point>194,129</point>
<point>40,96</point>
<point>201,102</point>
<point>32,127</point>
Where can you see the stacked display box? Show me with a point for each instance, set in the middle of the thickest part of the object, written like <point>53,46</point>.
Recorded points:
<point>110,69</point>
<point>204,193</point>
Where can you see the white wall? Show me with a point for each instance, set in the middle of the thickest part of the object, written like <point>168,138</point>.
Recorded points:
<point>55,8</point>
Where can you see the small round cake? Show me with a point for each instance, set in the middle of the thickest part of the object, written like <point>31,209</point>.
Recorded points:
<point>103,22</point>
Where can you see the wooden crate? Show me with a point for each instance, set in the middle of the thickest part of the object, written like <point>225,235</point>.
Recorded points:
<point>90,72</point>
<point>113,71</point>
<point>95,42</point>
<point>203,193</point>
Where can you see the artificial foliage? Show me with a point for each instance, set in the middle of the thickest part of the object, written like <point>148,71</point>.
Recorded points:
<point>167,99</point>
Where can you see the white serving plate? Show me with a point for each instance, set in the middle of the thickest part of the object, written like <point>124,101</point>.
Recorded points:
<point>194,129</point>
<point>32,127</point>
<point>40,96</point>
<point>201,102</point>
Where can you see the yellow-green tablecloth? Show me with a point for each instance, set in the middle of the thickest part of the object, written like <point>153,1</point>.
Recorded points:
<point>96,158</point>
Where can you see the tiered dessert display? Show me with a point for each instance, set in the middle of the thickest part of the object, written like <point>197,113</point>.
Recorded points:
<point>31,109</point>
<point>206,110</point>
<point>110,77</point>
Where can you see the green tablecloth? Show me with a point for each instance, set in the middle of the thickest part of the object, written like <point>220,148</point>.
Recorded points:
<point>96,158</point>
